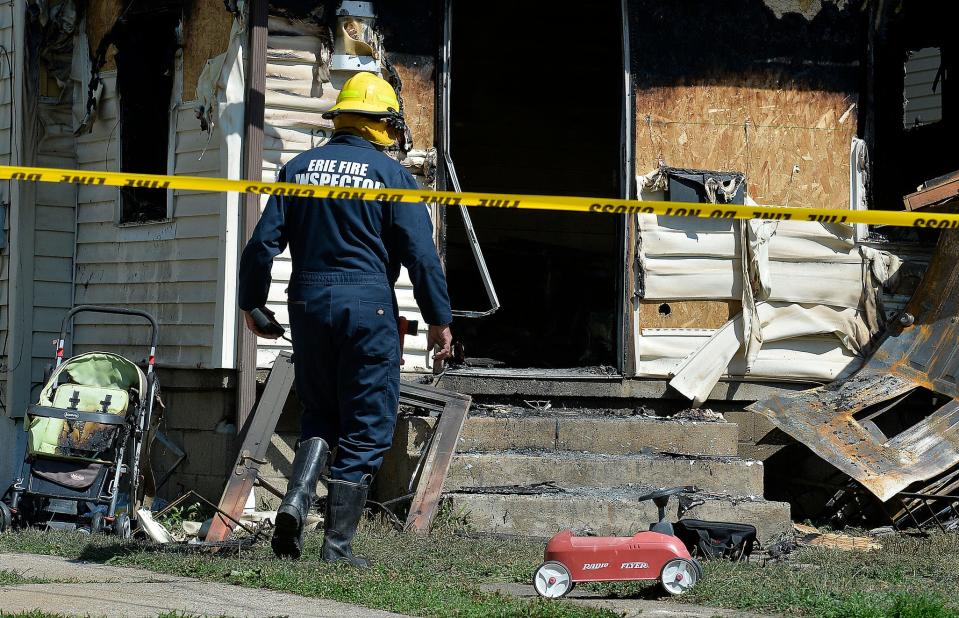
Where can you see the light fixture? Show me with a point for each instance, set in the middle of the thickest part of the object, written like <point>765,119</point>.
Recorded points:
<point>355,45</point>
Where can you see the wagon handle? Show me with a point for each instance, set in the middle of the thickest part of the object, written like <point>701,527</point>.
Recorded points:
<point>117,310</point>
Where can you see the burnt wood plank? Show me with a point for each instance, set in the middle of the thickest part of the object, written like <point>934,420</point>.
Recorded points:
<point>260,428</point>
<point>429,488</point>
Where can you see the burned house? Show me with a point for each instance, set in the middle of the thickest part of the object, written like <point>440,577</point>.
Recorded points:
<point>822,104</point>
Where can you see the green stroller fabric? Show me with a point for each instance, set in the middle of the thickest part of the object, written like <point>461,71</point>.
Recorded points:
<point>83,384</point>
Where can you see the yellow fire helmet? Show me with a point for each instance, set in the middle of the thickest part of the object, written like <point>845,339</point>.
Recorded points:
<point>368,106</point>
<point>366,94</point>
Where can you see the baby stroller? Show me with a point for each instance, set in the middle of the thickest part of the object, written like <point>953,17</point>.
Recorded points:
<point>86,436</point>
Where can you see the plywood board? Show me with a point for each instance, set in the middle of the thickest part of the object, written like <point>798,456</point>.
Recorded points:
<point>762,127</point>
<point>100,16</point>
<point>416,73</point>
<point>706,314</point>
<point>206,34</point>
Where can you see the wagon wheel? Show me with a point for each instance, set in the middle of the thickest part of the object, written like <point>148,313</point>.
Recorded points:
<point>699,569</point>
<point>552,580</point>
<point>678,576</point>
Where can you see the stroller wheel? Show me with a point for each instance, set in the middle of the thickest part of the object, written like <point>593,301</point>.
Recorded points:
<point>121,526</point>
<point>6,517</point>
<point>96,523</point>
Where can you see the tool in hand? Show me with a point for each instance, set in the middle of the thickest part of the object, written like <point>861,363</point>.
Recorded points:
<point>266,323</point>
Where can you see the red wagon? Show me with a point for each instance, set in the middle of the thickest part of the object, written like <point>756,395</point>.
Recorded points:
<point>655,555</point>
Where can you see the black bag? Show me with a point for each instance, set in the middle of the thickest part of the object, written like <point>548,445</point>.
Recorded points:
<point>716,539</point>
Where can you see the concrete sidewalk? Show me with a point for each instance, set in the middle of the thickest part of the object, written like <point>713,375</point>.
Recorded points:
<point>101,590</point>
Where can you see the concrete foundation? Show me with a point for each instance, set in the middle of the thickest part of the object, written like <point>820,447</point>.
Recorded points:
<point>199,417</point>
<point>598,435</point>
<point>728,475</point>
<point>609,512</point>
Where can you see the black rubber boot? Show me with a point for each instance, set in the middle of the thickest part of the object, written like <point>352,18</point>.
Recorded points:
<point>344,507</point>
<point>291,516</point>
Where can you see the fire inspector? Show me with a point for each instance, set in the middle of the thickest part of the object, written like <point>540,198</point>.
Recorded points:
<point>343,314</point>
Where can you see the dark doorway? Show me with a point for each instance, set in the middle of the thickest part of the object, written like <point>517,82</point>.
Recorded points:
<point>537,108</point>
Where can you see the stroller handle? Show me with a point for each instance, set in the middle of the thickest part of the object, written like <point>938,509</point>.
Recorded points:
<point>154,329</point>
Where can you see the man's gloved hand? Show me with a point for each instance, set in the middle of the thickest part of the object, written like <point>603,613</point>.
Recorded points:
<point>251,324</point>
<point>440,337</point>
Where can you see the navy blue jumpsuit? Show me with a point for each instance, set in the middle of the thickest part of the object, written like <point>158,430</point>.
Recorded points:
<point>343,313</point>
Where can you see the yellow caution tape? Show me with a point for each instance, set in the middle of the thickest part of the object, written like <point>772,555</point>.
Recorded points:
<point>485,200</point>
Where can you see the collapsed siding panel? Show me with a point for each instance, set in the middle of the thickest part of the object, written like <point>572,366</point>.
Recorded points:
<point>775,99</point>
<point>810,282</point>
<point>169,268</point>
<point>298,91</point>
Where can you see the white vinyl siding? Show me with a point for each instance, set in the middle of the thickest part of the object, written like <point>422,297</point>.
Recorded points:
<point>168,269</point>
<point>923,105</point>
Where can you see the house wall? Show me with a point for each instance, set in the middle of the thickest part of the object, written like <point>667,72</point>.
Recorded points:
<point>177,269</point>
<point>6,135</point>
<point>167,268</point>
<point>298,91</point>
<point>8,426</point>
<point>54,220</point>
<point>774,97</point>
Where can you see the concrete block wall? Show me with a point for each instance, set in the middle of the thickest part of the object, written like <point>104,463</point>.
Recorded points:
<point>758,438</point>
<point>199,417</point>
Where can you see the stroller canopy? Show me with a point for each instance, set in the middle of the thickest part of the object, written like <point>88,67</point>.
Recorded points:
<point>99,369</point>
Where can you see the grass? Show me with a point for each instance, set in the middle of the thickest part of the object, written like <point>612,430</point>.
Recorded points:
<point>908,578</point>
<point>437,576</point>
<point>443,575</point>
<point>12,578</point>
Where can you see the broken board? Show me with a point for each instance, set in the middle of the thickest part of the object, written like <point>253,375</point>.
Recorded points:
<point>452,408</point>
<point>706,314</point>
<point>429,488</point>
<point>260,427</point>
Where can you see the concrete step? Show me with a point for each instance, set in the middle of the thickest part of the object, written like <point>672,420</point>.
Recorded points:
<point>607,512</point>
<point>598,434</point>
<point>572,470</point>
